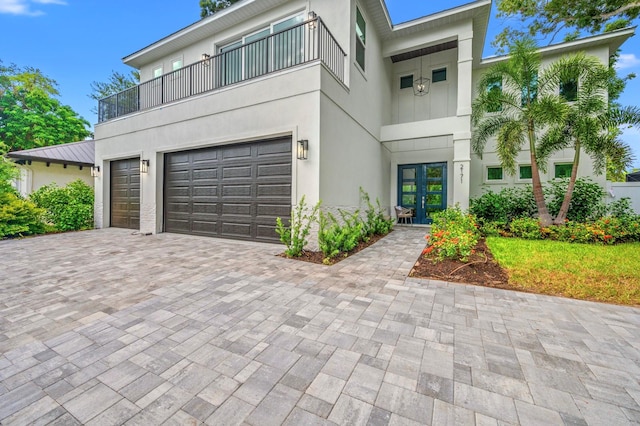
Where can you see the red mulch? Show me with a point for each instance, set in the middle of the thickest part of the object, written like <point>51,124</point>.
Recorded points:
<point>480,269</point>
<point>317,256</point>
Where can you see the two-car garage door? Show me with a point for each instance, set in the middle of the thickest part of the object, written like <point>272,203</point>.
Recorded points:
<point>232,191</point>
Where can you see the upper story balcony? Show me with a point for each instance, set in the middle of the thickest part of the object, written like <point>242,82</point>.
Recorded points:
<point>306,42</point>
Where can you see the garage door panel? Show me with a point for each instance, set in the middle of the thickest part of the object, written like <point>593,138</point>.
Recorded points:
<point>204,191</point>
<point>273,210</point>
<point>205,174</point>
<point>206,208</point>
<point>237,172</point>
<point>236,152</point>
<point>204,228</point>
<point>203,156</point>
<point>234,191</point>
<point>236,230</point>
<point>125,193</point>
<point>273,170</point>
<point>274,190</point>
<point>236,209</point>
<point>275,148</point>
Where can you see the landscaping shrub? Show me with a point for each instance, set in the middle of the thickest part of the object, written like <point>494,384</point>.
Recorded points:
<point>504,206</point>
<point>68,208</point>
<point>376,223</point>
<point>294,236</point>
<point>454,235</point>
<point>335,237</point>
<point>587,200</point>
<point>19,217</point>
<point>526,227</point>
<point>621,208</point>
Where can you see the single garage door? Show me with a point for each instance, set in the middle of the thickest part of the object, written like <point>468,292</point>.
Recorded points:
<point>125,193</point>
<point>232,191</point>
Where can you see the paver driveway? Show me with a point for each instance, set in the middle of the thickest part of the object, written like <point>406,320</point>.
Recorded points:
<point>106,327</point>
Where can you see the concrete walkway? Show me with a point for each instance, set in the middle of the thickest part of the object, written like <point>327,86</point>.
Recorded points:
<point>106,327</point>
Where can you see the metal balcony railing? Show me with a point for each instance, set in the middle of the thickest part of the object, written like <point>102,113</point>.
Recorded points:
<point>303,43</point>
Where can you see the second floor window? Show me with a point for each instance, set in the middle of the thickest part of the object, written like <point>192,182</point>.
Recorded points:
<point>569,90</point>
<point>361,38</point>
<point>495,89</point>
<point>257,53</point>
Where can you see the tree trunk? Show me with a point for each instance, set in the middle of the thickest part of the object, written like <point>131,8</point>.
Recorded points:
<point>543,213</point>
<point>564,209</point>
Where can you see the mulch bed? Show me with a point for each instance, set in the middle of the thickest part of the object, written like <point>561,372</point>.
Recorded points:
<point>317,256</point>
<point>480,269</point>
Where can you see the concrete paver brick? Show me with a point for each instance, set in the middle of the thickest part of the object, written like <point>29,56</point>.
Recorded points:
<point>202,335</point>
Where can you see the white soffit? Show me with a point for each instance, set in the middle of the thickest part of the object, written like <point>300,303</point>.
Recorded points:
<point>200,30</point>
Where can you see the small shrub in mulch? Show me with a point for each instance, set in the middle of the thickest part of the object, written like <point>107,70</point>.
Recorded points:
<point>318,256</point>
<point>480,268</point>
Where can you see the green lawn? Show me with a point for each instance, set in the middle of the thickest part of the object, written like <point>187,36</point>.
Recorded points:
<point>580,271</point>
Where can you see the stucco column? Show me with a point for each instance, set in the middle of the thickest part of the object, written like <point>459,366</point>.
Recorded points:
<point>461,168</point>
<point>462,137</point>
<point>148,194</point>
<point>465,70</point>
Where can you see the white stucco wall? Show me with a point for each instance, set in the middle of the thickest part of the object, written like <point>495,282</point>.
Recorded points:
<point>38,174</point>
<point>276,105</point>
<point>618,190</point>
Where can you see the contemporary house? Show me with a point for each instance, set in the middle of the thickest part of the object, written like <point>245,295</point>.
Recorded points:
<point>60,164</point>
<point>241,114</point>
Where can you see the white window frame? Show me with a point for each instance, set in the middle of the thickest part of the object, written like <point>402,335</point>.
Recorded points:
<point>438,68</point>
<point>243,38</point>
<point>558,162</point>
<point>523,180</point>
<point>364,43</point>
<point>174,61</point>
<point>493,181</point>
<point>157,74</point>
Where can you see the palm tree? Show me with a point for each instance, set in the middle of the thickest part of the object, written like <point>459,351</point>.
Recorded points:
<point>591,125</point>
<point>516,101</point>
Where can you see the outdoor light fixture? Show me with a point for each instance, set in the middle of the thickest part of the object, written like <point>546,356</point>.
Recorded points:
<point>144,166</point>
<point>205,56</point>
<point>95,171</point>
<point>312,20</point>
<point>303,149</point>
<point>421,85</point>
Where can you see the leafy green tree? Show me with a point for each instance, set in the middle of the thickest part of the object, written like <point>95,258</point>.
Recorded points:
<point>516,101</point>
<point>116,83</point>
<point>209,7</point>
<point>547,18</point>
<point>17,216</point>
<point>30,114</point>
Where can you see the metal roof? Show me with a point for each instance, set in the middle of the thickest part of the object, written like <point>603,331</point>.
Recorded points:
<point>75,153</point>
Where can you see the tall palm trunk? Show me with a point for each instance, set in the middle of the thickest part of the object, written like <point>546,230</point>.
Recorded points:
<point>538,194</point>
<point>566,202</point>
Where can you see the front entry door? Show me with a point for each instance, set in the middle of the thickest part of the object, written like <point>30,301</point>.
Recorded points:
<point>423,189</point>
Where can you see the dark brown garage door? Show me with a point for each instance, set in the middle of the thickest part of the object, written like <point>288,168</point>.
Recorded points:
<point>125,193</point>
<point>232,191</point>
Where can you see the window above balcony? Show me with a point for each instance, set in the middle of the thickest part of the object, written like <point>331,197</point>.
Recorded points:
<point>283,45</point>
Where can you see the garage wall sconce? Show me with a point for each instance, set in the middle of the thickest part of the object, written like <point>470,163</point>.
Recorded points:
<point>303,149</point>
<point>95,171</point>
<point>144,166</point>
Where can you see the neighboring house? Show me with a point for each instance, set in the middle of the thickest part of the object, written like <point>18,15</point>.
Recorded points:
<point>58,164</point>
<point>243,113</point>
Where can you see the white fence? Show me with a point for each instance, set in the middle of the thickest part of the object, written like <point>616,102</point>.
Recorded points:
<point>618,190</point>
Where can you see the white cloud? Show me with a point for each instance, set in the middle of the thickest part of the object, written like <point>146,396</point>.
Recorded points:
<point>627,60</point>
<point>23,7</point>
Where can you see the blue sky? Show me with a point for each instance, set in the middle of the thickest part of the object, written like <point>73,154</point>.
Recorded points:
<point>76,42</point>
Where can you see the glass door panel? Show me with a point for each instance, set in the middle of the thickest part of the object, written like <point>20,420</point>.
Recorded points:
<point>256,54</point>
<point>423,189</point>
